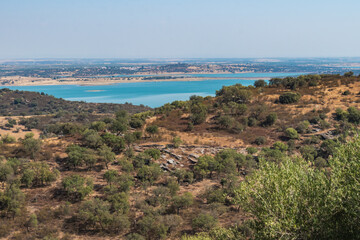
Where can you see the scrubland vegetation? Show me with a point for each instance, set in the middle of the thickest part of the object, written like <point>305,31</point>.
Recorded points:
<point>148,175</point>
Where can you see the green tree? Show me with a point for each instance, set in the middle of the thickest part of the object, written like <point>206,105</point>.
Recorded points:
<point>31,146</point>
<point>77,187</point>
<point>226,122</point>
<point>6,171</point>
<point>236,93</point>
<point>110,176</point>
<point>116,143</point>
<point>96,214</point>
<point>77,156</point>
<point>152,228</point>
<point>277,196</point>
<point>119,202</point>
<point>260,83</point>
<point>106,155</point>
<point>12,199</point>
<point>92,139</point>
<point>38,174</point>
<point>136,123</point>
<point>149,174</point>
<point>226,161</point>
<point>173,186</point>
<point>119,126</point>
<point>198,113</point>
<point>183,201</point>
<point>98,126</point>
<point>205,166</point>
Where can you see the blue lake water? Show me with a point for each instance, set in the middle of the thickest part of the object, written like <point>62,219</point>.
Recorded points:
<point>153,94</point>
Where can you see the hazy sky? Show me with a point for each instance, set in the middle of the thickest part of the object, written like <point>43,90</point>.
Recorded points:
<point>179,28</point>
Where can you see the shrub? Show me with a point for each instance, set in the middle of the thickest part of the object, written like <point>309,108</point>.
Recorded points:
<point>251,150</point>
<point>153,152</point>
<point>98,126</point>
<point>260,140</point>
<point>226,122</point>
<point>96,213</point>
<point>280,146</point>
<point>77,187</point>
<point>291,133</point>
<point>110,176</point>
<point>214,196</point>
<point>268,190</point>
<point>354,115</point>
<point>6,171</point>
<point>77,156</point>
<point>183,201</point>
<point>8,139</point>
<point>328,148</point>
<point>204,222</point>
<point>149,174</point>
<point>347,92</point>
<point>92,139</point>
<point>31,146</point>
<point>289,97</point>
<point>293,199</point>
<point>116,143</point>
<point>237,109</point>
<point>270,119</point>
<point>205,166</point>
<point>341,115</point>
<point>227,161</point>
<point>349,74</point>
<point>260,83</point>
<point>236,93</point>
<point>136,123</point>
<point>320,162</point>
<point>38,174</point>
<point>151,227</point>
<point>176,141</point>
<point>303,127</point>
<point>252,122</point>
<point>152,129</point>
<point>198,113</point>
<point>12,199</point>
<point>106,155</point>
<point>308,152</point>
<point>272,155</point>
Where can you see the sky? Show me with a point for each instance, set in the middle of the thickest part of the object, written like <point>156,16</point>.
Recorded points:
<point>179,28</point>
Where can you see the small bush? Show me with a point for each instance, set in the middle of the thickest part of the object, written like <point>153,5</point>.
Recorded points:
<point>8,139</point>
<point>251,150</point>
<point>260,83</point>
<point>289,97</point>
<point>291,133</point>
<point>204,222</point>
<point>260,140</point>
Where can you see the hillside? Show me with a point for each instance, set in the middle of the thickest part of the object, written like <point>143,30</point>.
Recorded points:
<point>268,161</point>
<point>16,103</point>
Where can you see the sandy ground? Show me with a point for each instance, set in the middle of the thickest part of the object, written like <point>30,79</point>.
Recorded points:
<point>18,131</point>
<point>33,81</point>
